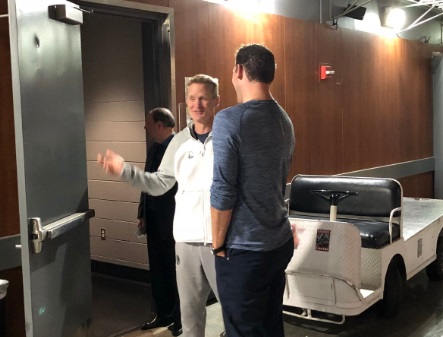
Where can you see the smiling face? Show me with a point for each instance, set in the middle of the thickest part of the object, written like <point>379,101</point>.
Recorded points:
<point>201,103</point>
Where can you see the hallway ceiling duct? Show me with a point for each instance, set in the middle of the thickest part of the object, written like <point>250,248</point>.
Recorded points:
<point>435,4</point>
<point>432,7</point>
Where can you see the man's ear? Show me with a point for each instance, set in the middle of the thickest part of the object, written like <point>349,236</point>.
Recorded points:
<point>238,71</point>
<point>218,101</point>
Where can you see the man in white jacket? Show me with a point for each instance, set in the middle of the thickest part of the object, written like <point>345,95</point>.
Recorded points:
<point>188,160</point>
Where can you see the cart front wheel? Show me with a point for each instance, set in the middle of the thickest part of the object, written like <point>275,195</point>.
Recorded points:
<point>390,304</point>
<point>435,269</point>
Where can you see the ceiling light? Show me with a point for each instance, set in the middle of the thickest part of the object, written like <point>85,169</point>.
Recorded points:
<point>394,17</point>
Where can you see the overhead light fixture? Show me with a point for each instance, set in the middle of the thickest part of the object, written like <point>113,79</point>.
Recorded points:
<point>394,17</point>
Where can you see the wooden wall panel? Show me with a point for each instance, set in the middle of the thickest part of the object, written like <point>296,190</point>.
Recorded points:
<point>164,3</point>
<point>314,105</point>
<point>418,186</point>
<point>14,307</point>
<point>229,30</point>
<point>376,110</point>
<point>192,44</point>
<point>9,218</point>
<point>417,118</point>
<point>227,33</point>
<point>357,116</point>
<point>301,80</point>
<point>270,31</point>
<point>373,100</point>
<point>326,106</point>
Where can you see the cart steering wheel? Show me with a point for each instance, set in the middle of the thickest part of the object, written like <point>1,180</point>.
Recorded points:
<point>334,198</point>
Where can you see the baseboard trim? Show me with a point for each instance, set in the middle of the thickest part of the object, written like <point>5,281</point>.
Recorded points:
<point>129,273</point>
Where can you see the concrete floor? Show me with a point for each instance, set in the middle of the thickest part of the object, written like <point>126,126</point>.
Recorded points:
<point>421,316</point>
<point>214,325</point>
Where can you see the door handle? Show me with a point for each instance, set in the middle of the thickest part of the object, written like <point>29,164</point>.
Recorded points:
<point>38,234</point>
<point>56,228</point>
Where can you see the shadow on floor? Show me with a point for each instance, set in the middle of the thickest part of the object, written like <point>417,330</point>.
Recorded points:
<point>118,305</point>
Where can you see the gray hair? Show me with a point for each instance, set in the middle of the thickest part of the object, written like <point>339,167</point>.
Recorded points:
<point>209,81</point>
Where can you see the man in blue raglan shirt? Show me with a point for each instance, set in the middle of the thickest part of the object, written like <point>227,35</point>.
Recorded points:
<point>251,236</point>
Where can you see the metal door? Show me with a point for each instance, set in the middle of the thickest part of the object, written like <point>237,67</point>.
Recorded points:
<point>51,166</point>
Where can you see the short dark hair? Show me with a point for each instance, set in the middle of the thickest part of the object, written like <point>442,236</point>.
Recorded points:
<point>207,80</point>
<point>258,61</point>
<point>162,115</point>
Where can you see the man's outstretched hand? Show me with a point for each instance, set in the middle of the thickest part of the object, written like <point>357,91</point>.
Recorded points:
<point>111,162</point>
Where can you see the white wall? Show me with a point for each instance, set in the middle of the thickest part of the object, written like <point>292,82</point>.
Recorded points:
<point>114,113</point>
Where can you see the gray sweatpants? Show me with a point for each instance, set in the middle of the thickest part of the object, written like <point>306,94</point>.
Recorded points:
<point>195,278</point>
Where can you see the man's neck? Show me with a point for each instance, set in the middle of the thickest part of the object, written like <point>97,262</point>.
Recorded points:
<point>256,91</point>
<point>164,136</point>
<point>201,128</point>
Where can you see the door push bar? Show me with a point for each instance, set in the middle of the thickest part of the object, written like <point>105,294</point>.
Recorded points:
<point>56,228</point>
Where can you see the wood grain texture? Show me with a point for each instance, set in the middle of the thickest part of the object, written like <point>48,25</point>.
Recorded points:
<point>164,3</point>
<point>9,218</point>
<point>301,79</point>
<point>4,7</point>
<point>376,110</point>
<point>418,186</point>
<point>326,147</point>
<point>192,43</point>
<point>14,307</point>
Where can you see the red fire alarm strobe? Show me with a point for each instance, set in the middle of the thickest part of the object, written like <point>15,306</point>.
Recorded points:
<point>326,72</point>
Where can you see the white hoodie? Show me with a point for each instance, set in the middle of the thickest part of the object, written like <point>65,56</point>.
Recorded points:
<point>189,162</point>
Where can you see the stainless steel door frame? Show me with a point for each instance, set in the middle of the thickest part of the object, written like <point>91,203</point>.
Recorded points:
<point>165,18</point>
<point>437,92</point>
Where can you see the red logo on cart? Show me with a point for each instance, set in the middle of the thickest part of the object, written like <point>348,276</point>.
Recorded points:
<point>322,240</point>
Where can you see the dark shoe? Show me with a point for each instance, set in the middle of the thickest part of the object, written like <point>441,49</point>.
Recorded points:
<point>156,323</point>
<point>176,329</point>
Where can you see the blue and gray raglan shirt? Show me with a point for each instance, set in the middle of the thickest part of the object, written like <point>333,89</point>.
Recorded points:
<point>253,148</point>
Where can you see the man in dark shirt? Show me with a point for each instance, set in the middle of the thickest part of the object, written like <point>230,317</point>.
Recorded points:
<point>156,215</point>
<point>251,236</point>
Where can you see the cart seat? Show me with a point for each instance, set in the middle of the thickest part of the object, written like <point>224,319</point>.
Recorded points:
<point>374,234</point>
<point>370,211</point>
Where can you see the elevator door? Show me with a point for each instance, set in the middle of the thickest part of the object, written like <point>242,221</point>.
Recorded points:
<point>51,166</point>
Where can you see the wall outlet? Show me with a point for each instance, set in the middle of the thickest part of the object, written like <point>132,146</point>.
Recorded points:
<point>103,234</point>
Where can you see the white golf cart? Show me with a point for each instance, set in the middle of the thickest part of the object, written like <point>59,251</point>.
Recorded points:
<point>359,239</point>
